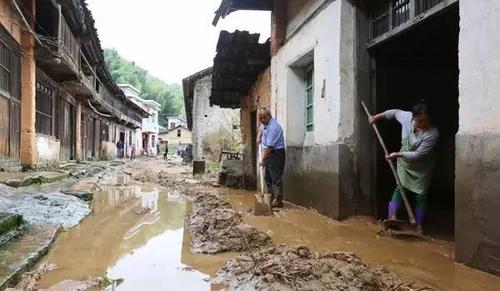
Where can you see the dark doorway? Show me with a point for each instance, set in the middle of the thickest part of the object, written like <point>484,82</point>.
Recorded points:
<point>66,129</point>
<point>253,133</point>
<point>422,63</point>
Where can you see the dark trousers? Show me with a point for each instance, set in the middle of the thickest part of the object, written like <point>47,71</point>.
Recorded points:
<point>275,166</point>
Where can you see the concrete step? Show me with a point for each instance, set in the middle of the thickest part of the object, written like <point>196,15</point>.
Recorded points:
<point>29,178</point>
<point>10,226</point>
<point>9,165</point>
<point>20,255</point>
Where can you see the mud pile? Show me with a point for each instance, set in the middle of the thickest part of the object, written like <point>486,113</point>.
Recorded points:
<point>298,268</point>
<point>150,176</point>
<point>216,227</point>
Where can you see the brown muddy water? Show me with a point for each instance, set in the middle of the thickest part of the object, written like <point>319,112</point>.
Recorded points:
<point>120,241</point>
<point>150,250</point>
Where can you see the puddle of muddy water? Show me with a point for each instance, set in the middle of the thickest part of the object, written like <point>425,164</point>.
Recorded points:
<point>132,234</point>
<point>426,261</point>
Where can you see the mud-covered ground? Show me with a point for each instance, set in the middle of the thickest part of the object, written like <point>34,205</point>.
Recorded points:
<point>54,204</point>
<point>285,267</point>
<point>156,227</point>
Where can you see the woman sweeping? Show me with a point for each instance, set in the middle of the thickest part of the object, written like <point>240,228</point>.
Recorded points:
<point>415,160</point>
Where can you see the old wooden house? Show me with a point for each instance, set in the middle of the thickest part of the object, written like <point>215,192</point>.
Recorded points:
<point>57,99</point>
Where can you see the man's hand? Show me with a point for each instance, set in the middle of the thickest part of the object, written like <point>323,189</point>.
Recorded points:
<point>375,118</point>
<point>393,156</point>
<point>262,163</point>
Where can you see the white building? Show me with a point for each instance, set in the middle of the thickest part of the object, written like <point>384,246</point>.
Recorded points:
<point>329,55</point>
<point>175,121</point>
<point>146,139</point>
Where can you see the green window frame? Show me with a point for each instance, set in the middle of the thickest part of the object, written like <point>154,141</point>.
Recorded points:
<point>309,99</point>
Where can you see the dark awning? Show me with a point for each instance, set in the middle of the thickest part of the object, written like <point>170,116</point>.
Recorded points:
<point>239,61</point>
<point>228,6</point>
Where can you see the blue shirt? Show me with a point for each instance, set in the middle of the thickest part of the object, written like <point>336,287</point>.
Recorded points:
<point>272,135</point>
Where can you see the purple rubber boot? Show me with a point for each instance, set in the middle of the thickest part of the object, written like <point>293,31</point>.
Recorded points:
<point>419,217</point>
<point>393,209</point>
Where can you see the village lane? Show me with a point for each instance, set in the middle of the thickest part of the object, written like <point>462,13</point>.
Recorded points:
<point>137,238</point>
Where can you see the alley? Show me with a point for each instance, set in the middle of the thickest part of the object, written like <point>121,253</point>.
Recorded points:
<point>137,238</point>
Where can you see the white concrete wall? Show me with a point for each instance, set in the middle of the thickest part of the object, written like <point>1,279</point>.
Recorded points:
<point>48,149</point>
<point>150,124</point>
<point>298,11</point>
<point>322,37</point>
<point>479,61</point>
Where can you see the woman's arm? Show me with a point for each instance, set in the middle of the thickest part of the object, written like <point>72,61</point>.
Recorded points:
<point>423,149</point>
<point>401,116</point>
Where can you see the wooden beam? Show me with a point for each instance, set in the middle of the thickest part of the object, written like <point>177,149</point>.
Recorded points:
<point>419,19</point>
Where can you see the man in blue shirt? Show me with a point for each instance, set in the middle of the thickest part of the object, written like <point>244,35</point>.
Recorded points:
<point>273,158</point>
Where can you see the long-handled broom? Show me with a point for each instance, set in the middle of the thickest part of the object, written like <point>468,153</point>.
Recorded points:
<point>411,216</point>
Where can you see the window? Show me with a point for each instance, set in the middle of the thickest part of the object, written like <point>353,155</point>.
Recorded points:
<point>309,96</point>
<point>178,133</point>
<point>172,125</point>
<point>45,105</point>
<point>5,68</point>
<point>10,68</point>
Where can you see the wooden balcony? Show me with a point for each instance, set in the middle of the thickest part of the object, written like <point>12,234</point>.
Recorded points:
<point>61,55</point>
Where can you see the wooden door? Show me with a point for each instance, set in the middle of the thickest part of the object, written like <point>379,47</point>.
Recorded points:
<point>65,130</point>
<point>97,137</point>
<point>15,129</point>
<point>4,126</point>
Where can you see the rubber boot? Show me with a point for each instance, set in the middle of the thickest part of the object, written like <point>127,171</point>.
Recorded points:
<point>278,197</point>
<point>419,217</point>
<point>393,210</point>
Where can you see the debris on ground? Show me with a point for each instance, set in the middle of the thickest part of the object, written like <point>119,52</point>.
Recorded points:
<point>151,176</point>
<point>216,227</point>
<point>81,194</point>
<point>30,280</point>
<point>285,267</point>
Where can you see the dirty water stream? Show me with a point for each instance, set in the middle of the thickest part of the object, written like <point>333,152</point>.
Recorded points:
<point>149,250</point>
<point>134,234</point>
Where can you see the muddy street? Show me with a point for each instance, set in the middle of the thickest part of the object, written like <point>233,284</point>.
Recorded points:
<point>151,228</point>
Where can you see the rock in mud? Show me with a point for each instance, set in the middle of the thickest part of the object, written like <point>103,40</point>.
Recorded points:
<point>81,194</point>
<point>285,267</point>
<point>216,227</point>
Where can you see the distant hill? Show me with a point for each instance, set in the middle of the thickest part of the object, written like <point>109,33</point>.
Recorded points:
<point>127,72</point>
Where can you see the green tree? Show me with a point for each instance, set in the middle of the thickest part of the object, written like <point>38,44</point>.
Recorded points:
<point>169,96</point>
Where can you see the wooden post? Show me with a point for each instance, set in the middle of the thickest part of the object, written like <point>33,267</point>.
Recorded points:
<point>78,132</point>
<point>28,92</point>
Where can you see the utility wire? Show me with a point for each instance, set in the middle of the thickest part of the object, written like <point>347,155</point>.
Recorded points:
<point>26,23</point>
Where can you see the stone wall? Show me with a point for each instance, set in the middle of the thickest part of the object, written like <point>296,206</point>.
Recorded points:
<point>208,119</point>
<point>477,219</point>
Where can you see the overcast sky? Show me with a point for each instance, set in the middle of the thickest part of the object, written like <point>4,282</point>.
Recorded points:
<point>172,39</point>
